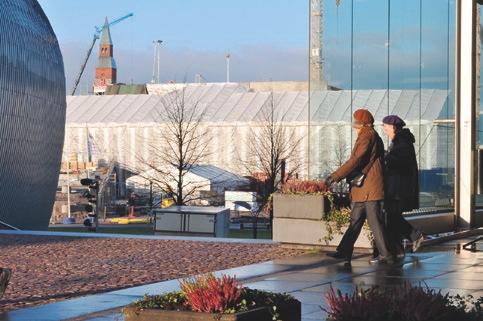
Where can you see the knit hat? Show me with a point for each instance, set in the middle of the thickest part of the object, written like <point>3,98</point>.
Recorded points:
<point>363,117</point>
<point>394,120</point>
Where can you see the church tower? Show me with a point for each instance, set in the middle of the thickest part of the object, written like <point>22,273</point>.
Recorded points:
<point>106,71</point>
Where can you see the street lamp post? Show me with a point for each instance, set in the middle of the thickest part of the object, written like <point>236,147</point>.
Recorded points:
<point>68,189</point>
<point>156,61</point>
<point>227,57</point>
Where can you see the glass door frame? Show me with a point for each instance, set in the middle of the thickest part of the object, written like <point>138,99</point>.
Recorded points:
<point>466,98</point>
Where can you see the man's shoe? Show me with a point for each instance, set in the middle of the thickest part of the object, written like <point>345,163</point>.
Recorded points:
<point>417,244</point>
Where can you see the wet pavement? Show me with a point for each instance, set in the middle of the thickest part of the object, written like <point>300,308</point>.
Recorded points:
<point>307,277</point>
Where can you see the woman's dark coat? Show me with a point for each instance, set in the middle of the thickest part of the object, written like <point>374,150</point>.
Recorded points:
<point>401,171</point>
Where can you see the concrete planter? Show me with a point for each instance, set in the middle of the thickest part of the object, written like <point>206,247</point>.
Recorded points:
<point>291,312</point>
<point>310,207</point>
<point>299,221</point>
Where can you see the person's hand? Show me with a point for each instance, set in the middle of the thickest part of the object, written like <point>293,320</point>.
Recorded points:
<point>329,181</point>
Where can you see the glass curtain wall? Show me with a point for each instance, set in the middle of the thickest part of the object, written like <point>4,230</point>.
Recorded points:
<point>479,102</point>
<point>391,57</point>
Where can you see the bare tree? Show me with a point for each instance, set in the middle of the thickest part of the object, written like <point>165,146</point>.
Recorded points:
<point>341,148</point>
<point>341,151</point>
<point>179,144</point>
<point>272,147</point>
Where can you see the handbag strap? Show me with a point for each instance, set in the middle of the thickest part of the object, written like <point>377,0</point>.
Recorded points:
<point>368,167</point>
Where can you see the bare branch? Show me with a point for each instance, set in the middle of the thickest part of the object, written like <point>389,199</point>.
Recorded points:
<point>181,142</point>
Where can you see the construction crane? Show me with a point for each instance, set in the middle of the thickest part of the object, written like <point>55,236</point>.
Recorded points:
<point>96,36</point>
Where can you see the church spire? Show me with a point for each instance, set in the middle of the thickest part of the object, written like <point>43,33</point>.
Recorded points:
<point>106,34</point>
<point>106,70</point>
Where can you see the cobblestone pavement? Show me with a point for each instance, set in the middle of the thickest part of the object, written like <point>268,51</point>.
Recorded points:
<point>52,268</point>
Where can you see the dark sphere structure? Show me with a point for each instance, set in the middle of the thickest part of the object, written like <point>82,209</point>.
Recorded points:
<point>32,114</point>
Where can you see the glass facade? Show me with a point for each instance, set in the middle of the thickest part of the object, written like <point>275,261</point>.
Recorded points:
<point>479,104</point>
<point>391,57</point>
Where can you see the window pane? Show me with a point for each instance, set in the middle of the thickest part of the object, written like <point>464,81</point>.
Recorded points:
<point>330,107</point>
<point>436,145</point>
<point>392,57</point>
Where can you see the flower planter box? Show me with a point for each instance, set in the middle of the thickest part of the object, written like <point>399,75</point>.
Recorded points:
<point>299,220</point>
<point>290,312</point>
<point>133,314</point>
<point>311,207</point>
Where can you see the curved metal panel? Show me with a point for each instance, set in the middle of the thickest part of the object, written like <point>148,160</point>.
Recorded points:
<point>32,114</point>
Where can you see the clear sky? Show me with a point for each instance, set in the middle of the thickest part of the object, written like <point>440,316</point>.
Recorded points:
<point>267,39</point>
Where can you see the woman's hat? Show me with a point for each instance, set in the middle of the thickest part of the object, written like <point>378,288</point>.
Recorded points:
<point>363,117</point>
<point>394,120</point>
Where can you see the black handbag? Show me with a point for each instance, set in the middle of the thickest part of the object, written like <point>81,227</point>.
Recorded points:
<point>357,180</point>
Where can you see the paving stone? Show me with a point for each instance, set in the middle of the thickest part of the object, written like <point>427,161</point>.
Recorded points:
<point>468,285</point>
<point>310,308</point>
<point>282,286</point>
<point>310,298</point>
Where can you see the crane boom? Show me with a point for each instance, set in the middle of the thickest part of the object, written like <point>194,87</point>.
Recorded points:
<point>89,52</point>
<point>99,28</point>
<point>79,75</point>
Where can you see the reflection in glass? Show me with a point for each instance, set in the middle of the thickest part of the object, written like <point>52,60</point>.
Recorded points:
<point>391,57</point>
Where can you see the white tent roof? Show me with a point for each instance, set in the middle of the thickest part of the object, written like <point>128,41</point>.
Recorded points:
<point>232,102</point>
<point>217,175</point>
<point>204,175</point>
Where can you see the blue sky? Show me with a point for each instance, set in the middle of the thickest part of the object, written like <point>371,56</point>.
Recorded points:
<point>268,39</point>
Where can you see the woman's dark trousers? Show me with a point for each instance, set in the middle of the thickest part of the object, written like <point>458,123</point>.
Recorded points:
<point>373,211</point>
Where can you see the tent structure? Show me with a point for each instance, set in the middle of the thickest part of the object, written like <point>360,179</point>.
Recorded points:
<point>208,180</point>
<point>119,126</point>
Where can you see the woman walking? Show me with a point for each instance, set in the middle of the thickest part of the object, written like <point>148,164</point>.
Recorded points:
<point>364,171</point>
<point>401,184</point>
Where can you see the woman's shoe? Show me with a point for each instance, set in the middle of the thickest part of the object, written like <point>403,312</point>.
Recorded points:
<point>381,260</point>
<point>336,255</point>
